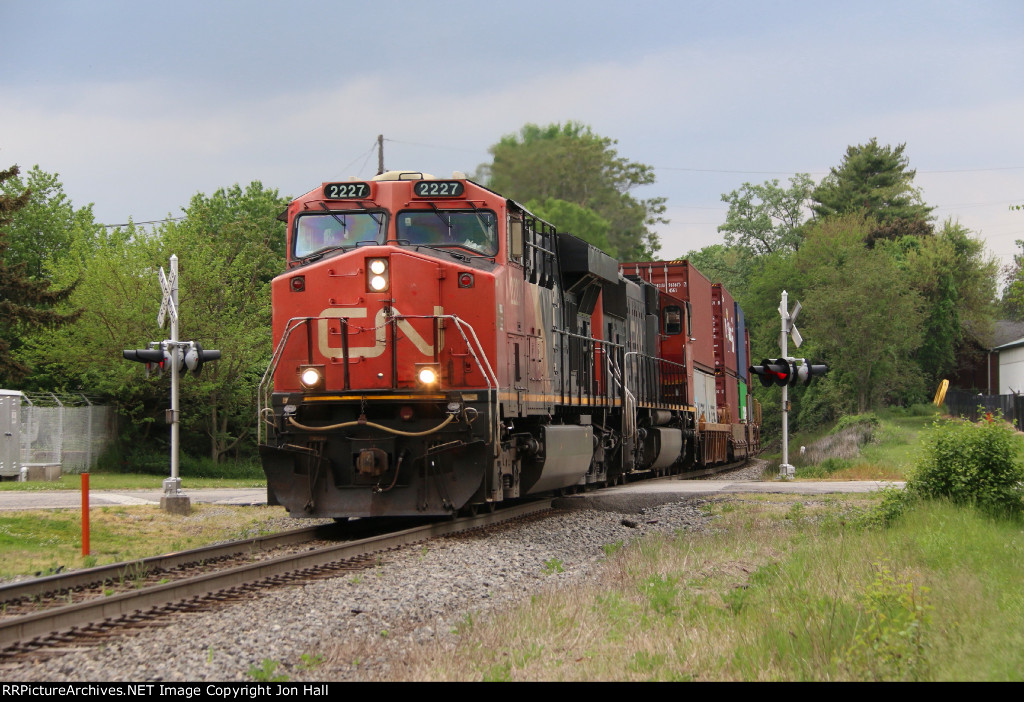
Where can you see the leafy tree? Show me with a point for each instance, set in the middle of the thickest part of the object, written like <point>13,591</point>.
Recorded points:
<point>44,228</point>
<point>861,311</point>
<point>957,284</point>
<point>228,248</point>
<point>764,219</point>
<point>872,179</point>
<point>1013,293</point>
<point>728,265</point>
<point>26,303</point>
<point>570,162</point>
<point>569,217</point>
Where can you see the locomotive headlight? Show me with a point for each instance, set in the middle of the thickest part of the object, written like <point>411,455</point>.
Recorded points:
<point>379,279</point>
<point>428,375</point>
<point>311,377</point>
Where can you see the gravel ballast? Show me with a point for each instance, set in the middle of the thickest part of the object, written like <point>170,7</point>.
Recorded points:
<point>415,595</point>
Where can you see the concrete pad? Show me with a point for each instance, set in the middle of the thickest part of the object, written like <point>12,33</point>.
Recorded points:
<point>43,472</point>
<point>176,504</point>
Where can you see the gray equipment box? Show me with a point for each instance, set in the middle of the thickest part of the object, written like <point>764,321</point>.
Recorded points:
<point>10,434</point>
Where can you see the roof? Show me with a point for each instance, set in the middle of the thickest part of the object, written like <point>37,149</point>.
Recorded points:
<point>1007,334</point>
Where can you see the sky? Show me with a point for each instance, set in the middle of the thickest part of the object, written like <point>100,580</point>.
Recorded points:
<point>140,105</point>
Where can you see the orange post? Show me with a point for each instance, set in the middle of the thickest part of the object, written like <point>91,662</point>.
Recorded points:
<point>85,514</point>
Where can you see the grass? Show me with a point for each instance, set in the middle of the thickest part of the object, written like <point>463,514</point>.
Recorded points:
<point>779,592</point>
<point>882,445</point>
<point>128,481</point>
<point>41,541</point>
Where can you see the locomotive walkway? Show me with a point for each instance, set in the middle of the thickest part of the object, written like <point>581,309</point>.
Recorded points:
<point>645,491</point>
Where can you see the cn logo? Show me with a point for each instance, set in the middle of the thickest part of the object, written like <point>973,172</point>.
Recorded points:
<point>380,333</point>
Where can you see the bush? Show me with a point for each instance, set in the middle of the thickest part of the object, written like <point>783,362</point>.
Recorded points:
<point>971,463</point>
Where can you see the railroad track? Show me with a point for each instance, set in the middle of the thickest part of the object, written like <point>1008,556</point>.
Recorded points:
<point>221,577</point>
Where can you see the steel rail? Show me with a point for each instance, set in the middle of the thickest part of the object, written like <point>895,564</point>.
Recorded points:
<point>27,627</point>
<point>114,572</point>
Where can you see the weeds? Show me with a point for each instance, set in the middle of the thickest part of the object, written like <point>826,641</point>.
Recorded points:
<point>267,672</point>
<point>309,662</point>
<point>891,644</point>
<point>553,566</point>
<point>661,592</point>
<point>611,549</point>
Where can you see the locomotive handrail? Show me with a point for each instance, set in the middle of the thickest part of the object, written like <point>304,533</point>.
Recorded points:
<point>602,344</point>
<point>475,348</point>
<point>261,390</point>
<point>489,375</point>
<point>661,363</point>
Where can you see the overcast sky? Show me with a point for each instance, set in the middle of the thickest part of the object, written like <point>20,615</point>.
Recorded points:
<point>139,105</point>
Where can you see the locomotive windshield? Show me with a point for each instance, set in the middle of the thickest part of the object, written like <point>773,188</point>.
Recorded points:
<point>476,230</point>
<point>317,232</point>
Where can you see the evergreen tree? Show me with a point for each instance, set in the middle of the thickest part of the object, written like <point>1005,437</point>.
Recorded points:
<point>26,304</point>
<point>873,180</point>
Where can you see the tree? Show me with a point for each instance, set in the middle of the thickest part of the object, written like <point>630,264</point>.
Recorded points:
<point>1013,294</point>
<point>571,218</point>
<point>45,227</point>
<point>874,180</point>
<point>728,265</point>
<point>569,162</point>
<point>765,219</point>
<point>26,302</point>
<point>862,312</point>
<point>956,281</point>
<point>230,246</point>
<point>227,248</point>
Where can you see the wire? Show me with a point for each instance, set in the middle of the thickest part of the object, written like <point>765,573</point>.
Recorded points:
<point>433,146</point>
<point>152,221</point>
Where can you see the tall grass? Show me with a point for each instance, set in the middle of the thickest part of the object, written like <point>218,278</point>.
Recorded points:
<point>780,592</point>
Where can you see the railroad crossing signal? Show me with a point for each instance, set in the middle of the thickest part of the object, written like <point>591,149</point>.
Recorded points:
<point>196,356</point>
<point>773,371</point>
<point>785,371</point>
<point>807,372</point>
<point>191,356</point>
<point>152,357</point>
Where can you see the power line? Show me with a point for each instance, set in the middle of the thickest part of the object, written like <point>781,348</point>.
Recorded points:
<point>433,146</point>
<point>152,221</point>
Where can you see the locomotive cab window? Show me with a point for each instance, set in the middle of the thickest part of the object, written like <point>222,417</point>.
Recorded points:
<point>476,230</point>
<point>319,232</point>
<point>673,320</point>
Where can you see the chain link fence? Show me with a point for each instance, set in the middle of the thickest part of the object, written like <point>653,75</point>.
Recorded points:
<point>69,430</point>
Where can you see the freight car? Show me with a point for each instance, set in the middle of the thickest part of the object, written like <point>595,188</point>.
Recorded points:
<point>439,348</point>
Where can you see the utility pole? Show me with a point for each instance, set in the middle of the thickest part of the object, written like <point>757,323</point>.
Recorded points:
<point>380,154</point>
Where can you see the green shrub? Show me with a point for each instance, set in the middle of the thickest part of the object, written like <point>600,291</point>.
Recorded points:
<point>868,421</point>
<point>972,463</point>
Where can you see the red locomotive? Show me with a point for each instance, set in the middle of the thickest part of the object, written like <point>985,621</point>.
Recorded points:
<point>438,348</point>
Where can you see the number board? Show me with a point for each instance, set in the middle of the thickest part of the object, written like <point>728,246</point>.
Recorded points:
<point>346,191</point>
<point>438,188</point>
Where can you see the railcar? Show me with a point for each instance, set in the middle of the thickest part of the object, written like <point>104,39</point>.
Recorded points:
<point>439,348</point>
